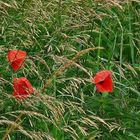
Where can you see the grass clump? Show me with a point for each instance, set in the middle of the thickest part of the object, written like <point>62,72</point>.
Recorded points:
<point>67,43</point>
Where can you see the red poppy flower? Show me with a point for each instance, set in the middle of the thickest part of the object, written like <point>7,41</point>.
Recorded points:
<point>22,88</point>
<point>103,81</point>
<point>16,58</point>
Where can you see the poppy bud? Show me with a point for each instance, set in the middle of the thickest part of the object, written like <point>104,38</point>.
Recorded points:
<point>22,88</point>
<point>103,81</point>
<point>16,58</point>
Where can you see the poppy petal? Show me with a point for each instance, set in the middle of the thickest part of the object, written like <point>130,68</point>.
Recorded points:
<point>28,86</point>
<point>20,97</point>
<point>106,85</point>
<point>17,64</point>
<point>22,88</point>
<point>101,76</point>
<point>103,81</point>
<point>16,58</point>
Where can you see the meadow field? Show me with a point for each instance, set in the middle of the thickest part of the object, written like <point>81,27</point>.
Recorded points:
<point>79,61</point>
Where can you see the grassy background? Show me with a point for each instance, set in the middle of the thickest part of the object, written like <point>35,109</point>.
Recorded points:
<point>65,105</point>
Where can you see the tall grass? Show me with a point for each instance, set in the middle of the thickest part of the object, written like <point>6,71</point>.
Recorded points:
<point>67,43</point>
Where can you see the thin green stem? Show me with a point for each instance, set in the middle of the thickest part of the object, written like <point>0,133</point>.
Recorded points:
<point>99,45</point>
<point>130,33</point>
